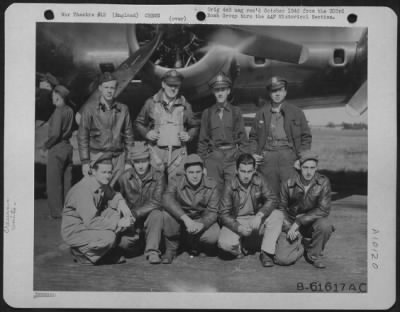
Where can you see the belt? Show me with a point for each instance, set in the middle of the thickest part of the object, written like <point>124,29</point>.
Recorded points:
<point>167,147</point>
<point>226,147</point>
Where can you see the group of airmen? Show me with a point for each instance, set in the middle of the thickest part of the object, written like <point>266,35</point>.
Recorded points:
<point>240,193</point>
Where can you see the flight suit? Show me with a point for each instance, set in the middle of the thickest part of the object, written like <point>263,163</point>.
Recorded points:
<point>106,130</point>
<point>59,159</point>
<point>200,204</point>
<point>90,218</point>
<point>168,152</point>
<point>143,196</point>
<point>310,209</point>
<point>280,137</point>
<point>221,140</point>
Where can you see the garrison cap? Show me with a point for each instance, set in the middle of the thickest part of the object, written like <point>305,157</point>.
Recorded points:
<point>308,155</point>
<point>106,77</point>
<point>61,90</point>
<point>102,158</point>
<point>50,78</point>
<point>220,80</point>
<point>193,159</point>
<point>172,77</point>
<point>139,151</point>
<point>275,83</point>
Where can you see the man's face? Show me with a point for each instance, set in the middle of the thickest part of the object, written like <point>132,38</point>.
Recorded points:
<point>57,99</point>
<point>194,174</point>
<point>103,173</point>
<point>308,169</point>
<point>278,96</point>
<point>141,166</point>
<point>245,173</point>
<point>221,94</point>
<point>107,89</point>
<point>171,91</point>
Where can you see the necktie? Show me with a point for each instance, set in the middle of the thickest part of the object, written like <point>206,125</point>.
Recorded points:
<point>220,112</point>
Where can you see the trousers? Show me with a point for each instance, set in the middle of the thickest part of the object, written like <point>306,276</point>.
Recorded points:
<point>221,165</point>
<point>313,240</point>
<point>58,176</point>
<point>277,167</point>
<point>174,165</point>
<point>269,231</point>
<point>173,229</point>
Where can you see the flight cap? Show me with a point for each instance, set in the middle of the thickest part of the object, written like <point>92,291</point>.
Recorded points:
<point>61,90</point>
<point>106,77</point>
<point>50,78</point>
<point>139,151</point>
<point>172,78</point>
<point>102,158</point>
<point>308,155</point>
<point>193,159</point>
<point>220,80</point>
<point>275,83</point>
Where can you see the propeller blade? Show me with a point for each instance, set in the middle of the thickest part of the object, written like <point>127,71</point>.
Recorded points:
<point>255,44</point>
<point>128,69</point>
<point>358,102</point>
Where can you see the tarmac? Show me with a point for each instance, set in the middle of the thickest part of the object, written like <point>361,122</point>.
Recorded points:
<point>345,256</point>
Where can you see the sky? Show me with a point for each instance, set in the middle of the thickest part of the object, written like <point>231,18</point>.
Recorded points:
<point>322,116</point>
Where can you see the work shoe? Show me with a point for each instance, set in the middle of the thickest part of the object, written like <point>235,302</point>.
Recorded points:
<point>79,257</point>
<point>240,256</point>
<point>316,262</point>
<point>153,257</point>
<point>168,257</point>
<point>266,260</point>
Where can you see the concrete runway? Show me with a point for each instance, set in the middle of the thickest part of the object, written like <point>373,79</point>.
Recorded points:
<point>345,257</point>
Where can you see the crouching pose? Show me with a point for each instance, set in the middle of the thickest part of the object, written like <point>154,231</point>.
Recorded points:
<point>306,203</point>
<point>95,218</point>
<point>247,208</point>
<point>142,186</point>
<point>191,202</point>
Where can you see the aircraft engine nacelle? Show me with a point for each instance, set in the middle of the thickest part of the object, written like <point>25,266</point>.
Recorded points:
<point>184,50</point>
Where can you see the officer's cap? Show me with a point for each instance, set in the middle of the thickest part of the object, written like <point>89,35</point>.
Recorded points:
<point>106,77</point>
<point>193,159</point>
<point>61,90</point>
<point>50,78</point>
<point>139,151</point>
<point>220,80</point>
<point>275,83</point>
<point>172,78</point>
<point>101,158</point>
<point>308,155</point>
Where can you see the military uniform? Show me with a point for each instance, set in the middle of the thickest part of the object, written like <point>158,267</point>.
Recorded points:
<point>103,129</point>
<point>280,136</point>
<point>90,219</point>
<point>199,203</point>
<point>239,205</point>
<point>309,206</point>
<point>168,119</point>
<point>143,196</point>
<point>59,159</point>
<point>222,136</point>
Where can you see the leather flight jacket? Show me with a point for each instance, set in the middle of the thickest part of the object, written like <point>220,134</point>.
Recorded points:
<point>263,199</point>
<point>105,131</point>
<point>295,126</point>
<point>200,204</point>
<point>302,207</point>
<point>142,195</point>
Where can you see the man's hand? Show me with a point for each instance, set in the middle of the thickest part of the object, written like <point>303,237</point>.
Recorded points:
<point>124,210</point>
<point>244,230</point>
<point>152,135</point>
<point>192,227</point>
<point>293,232</point>
<point>255,222</point>
<point>259,159</point>
<point>123,224</point>
<point>184,136</point>
<point>43,153</point>
<point>85,169</point>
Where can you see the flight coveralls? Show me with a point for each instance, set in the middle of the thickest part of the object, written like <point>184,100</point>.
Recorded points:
<point>90,219</point>
<point>168,152</point>
<point>106,130</point>
<point>221,140</point>
<point>310,209</point>
<point>280,137</point>
<point>144,197</point>
<point>239,205</point>
<point>200,204</point>
<point>59,159</point>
